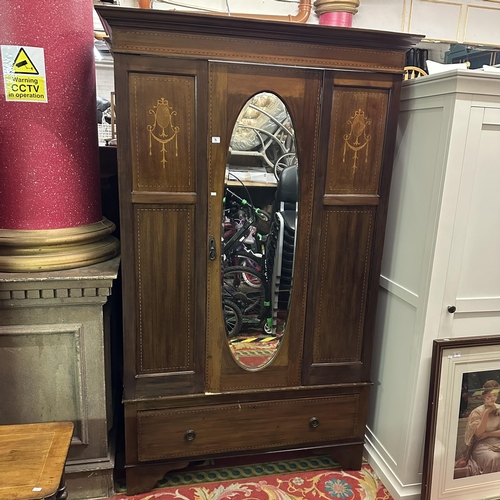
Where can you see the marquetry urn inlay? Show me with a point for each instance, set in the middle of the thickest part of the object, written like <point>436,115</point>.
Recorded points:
<point>163,130</point>
<point>357,138</point>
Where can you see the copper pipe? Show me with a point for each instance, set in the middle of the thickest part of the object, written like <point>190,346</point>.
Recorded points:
<point>301,17</point>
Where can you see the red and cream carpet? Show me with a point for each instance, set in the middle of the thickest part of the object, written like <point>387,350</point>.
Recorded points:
<point>292,478</point>
<point>254,352</point>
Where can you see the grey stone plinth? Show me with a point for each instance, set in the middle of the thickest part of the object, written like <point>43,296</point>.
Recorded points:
<point>55,363</point>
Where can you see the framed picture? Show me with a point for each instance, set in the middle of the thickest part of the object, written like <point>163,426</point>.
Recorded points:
<point>462,445</point>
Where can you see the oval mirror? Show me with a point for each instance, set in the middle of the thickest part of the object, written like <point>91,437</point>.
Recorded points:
<point>258,228</point>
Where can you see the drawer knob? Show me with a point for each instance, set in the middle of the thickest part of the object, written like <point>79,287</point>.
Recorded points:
<point>451,309</point>
<point>189,435</point>
<point>313,422</point>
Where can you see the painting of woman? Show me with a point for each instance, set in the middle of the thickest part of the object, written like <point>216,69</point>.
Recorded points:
<point>482,434</point>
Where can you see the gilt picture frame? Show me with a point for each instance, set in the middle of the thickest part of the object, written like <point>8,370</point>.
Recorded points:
<point>462,443</point>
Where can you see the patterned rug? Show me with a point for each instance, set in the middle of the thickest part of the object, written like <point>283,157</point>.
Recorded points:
<point>253,353</point>
<point>290,479</point>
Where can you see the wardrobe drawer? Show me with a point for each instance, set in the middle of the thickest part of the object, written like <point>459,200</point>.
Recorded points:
<point>205,430</point>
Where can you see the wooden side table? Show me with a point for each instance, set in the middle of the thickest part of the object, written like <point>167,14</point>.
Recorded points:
<point>32,459</point>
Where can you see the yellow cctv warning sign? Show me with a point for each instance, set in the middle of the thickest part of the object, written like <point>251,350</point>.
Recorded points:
<point>23,65</point>
<point>24,73</point>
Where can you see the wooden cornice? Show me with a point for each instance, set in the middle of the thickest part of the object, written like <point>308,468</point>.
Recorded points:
<point>118,18</point>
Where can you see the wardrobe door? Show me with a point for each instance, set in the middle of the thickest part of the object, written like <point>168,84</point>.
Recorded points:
<point>231,87</point>
<point>349,219</point>
<point>161,113</point>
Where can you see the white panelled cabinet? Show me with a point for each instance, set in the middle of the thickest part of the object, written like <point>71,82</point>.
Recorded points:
<point>442,249</point>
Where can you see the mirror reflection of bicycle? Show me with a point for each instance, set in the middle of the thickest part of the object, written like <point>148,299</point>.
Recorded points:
<point>257,270</point>
<point>245,286</point>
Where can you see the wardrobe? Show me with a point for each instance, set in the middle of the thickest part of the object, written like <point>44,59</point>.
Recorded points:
<point>440,275</point>
<point>181,82</point>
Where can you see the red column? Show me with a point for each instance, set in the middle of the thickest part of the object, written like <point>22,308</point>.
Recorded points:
<point>49,163</point>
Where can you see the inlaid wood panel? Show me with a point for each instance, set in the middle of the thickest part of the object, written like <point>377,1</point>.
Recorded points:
<point>358,122</point>
<point>270,424</point>
<point>258,51</point>
<point>163,223</point>
<point>165,270</point>
<point>163,132</point>
<point>341,294</point>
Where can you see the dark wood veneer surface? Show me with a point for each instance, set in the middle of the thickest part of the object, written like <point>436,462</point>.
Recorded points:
<point>341,87</point>
<point>189,23</point>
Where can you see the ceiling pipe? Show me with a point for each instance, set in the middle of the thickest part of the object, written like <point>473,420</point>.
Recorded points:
<point>301,17</point>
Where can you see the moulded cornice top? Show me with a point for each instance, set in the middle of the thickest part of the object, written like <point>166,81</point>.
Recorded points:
<point>121,18</point>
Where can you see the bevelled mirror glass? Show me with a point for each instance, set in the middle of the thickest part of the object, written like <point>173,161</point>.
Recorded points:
<point>258,230</point>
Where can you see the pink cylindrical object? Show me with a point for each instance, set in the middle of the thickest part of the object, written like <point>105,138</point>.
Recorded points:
<point>336,19</point>
<point>49,156</point>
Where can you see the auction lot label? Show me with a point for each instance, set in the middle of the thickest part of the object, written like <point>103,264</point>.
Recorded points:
<point>24,73</point>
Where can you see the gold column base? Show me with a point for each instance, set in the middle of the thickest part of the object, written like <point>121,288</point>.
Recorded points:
<point>324,6</point>
<point>24,251</point>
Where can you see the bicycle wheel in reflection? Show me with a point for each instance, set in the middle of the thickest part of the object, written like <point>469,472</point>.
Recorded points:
<point>246,288</point>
